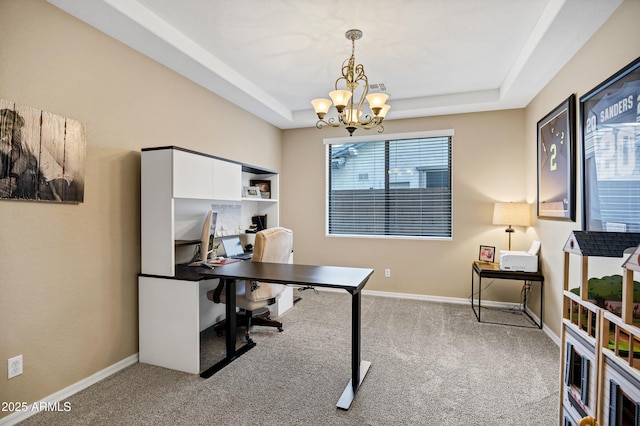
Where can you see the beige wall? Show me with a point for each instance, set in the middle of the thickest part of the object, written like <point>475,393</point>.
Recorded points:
<point>68,273</point>
<point>488,165</point>
<point>616,44</point>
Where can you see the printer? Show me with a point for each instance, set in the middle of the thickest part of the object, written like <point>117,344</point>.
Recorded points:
<point>522,261</point>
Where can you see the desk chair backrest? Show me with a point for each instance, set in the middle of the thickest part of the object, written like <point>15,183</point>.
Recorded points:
<point>272,245</point>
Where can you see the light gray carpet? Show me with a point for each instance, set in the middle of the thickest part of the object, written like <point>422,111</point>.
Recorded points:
<point>432,364</point>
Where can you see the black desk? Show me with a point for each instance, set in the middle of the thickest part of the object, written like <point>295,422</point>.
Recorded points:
<point>349,279</point>
<point>492,270</point>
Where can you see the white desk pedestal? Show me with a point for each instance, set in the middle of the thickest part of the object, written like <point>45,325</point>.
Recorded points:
<point>171,315</point>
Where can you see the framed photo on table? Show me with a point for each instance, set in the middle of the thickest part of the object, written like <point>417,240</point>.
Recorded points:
<point>610,123</point>
<point>487,254</point>
<point>556,163</point>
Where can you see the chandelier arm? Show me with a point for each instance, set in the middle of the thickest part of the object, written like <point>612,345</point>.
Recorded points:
<point>361,102</point>
<point>368,126</point>
<point>346,65</point>
<point>371,124</point>
<point>331,123</point>
<point>368,120</point>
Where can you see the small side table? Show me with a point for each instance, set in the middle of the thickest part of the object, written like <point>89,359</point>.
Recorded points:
<point>492,270</point>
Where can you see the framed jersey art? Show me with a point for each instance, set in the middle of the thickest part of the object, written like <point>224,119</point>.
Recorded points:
<point>556,163</point>
<point>610,122</point>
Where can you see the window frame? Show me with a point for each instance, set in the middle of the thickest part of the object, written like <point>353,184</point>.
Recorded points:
<point>449,133</point>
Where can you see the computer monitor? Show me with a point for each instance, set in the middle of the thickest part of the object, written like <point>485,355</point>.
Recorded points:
<point>208,233</point>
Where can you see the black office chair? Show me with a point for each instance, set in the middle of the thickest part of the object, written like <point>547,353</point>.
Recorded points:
<point>273,245</point>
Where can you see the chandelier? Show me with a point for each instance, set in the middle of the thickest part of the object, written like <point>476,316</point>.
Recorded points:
<point>349,113</point>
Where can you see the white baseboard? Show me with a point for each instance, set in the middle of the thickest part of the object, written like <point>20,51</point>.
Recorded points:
<point>65,393</point>
<point>487,303</point>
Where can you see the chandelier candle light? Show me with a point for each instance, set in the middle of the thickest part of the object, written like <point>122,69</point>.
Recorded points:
<point>350,116</point>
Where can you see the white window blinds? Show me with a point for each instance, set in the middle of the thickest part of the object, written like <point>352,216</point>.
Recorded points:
<point>394,187</point>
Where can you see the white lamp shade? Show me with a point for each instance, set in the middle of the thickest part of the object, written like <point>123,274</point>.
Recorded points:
<point>377,100</point>
<point>321,106</point>
<point>518,214</point>
<point>384,110</point>
<point>340,98</point>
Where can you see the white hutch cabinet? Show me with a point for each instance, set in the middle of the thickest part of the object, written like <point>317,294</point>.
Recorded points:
<point>178,188</point>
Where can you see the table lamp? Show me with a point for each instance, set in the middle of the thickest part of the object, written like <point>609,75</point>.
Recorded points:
<point>517,214</point>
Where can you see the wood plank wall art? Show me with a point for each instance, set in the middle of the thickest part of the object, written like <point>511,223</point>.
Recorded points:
<point>42,155</point>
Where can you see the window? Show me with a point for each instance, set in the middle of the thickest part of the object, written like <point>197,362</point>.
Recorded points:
<point>577,374</point>
<point>623,410</point>
<point>406,192</point>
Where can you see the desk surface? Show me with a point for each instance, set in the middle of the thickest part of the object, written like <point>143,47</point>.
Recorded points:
<point>492,270</point>
<point>184,273</point>
<point>347,278</point>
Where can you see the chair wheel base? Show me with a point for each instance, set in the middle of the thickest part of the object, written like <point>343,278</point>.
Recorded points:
<point>261,319</point>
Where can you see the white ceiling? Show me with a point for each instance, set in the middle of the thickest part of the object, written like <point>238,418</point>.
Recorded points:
<point>435,56</point>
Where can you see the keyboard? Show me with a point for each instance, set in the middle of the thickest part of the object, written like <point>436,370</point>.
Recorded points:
<point>243,256</point>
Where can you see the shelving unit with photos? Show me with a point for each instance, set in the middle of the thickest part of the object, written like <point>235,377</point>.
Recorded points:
<point>179,187</point>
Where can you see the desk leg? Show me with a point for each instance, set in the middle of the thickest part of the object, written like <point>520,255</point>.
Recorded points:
<point>230,332</point>
<point>473,306</point>
<point>524,305</point>
<point>358,368</point>
<point>479,297</point>
<point>541,301</point>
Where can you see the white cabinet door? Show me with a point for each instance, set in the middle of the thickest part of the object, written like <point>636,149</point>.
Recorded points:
<point>227,180</point>
<point>192,175</point>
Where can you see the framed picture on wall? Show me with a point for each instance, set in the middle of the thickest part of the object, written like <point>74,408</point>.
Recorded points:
<point>610,123</point>
<point>556,163</point>
<point>42,155</point>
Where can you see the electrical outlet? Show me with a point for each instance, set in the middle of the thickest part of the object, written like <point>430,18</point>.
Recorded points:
<point>387,273</point>
<point>14,366</point>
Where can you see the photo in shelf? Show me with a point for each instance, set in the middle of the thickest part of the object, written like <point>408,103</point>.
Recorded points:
<point>251,192</point>
<point>264,186</point>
